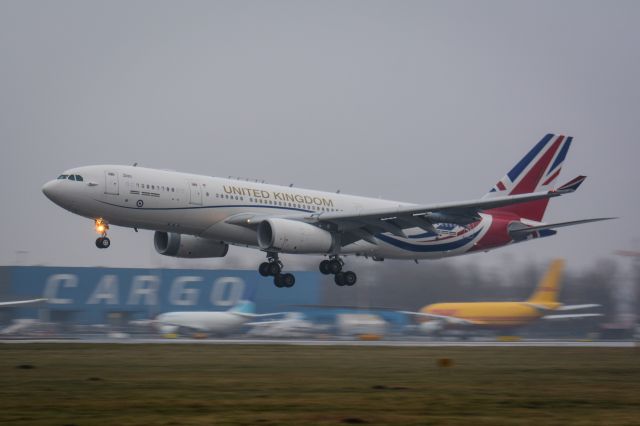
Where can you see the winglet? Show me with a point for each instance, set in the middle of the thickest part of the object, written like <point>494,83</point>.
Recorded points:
<point>572,185</point>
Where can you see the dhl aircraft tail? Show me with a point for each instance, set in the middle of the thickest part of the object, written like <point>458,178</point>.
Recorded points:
<point>547,291</point>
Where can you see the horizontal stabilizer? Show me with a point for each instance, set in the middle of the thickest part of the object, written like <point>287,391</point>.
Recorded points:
<point>520,233</point>
<point>575,307</point>
<point>569,316</point>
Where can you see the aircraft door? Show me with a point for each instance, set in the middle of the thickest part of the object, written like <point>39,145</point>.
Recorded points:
<point>111,183</point>
<point>195,194</point>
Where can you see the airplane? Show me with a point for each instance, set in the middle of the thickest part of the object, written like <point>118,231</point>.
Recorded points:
<point>293,325</point>
<point>196,216</point>
<point>543,304</point>
<point>215,322</point>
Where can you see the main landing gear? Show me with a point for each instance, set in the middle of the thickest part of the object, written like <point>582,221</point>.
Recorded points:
<point>273,268</point>
<point>334,265</point>
<point>101,228</point>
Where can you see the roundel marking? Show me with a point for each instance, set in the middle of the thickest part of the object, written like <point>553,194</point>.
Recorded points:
<point>139,203</point>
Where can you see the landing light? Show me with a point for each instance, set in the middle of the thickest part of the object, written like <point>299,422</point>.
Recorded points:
<point>101,226</point>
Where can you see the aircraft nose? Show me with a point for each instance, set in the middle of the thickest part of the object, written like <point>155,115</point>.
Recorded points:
<point>56,192</point>
<point>48,189</point>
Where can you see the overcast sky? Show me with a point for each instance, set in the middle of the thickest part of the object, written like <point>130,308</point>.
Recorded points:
<point>416,101</point>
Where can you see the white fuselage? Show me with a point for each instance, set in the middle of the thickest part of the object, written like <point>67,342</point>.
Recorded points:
<point>161,200</point>
<point>210,322</point>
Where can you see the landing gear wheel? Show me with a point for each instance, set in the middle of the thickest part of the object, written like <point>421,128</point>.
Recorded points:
<point>288,280</point>
<point>274,268</point>
<point>339,279</point>
<point>264,269</point>
<point>277,280</point>
<point>349,278</point>
<point>103,242</point>
<point>324,267</point>
<point>335,266</point>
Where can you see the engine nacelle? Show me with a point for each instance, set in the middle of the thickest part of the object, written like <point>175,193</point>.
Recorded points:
<point>188,246</point>
<point>292,236</point>
<point>430,327</point>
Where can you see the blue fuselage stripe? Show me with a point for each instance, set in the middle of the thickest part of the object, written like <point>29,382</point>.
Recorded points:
<point>405,245</point>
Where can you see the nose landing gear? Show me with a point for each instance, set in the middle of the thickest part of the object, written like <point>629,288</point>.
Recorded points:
<point>334,266</point>
<point>273,267</point>
<point>101,228</point>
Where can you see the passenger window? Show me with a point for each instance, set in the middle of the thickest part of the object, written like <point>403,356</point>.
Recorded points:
<point>72,177</point>
<point>79,178</point>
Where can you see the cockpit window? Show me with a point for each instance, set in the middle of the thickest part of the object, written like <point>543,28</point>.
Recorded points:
<point>62,177</point>
<point>79,178</point>
<point>72,177</point>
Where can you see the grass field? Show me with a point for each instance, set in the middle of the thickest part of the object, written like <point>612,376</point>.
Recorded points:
<point>86,384</point>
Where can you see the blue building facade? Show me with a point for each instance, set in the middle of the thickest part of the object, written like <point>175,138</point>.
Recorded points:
<point>93,295</point>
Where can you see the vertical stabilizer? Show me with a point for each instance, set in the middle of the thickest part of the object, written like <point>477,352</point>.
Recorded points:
<point>244,307</point>
<point>536,171</point>
<point>547,291</point>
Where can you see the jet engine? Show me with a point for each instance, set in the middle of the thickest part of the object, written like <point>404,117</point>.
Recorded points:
<point>292,236</point>
<point>180,245</point>
<point>430,327</point>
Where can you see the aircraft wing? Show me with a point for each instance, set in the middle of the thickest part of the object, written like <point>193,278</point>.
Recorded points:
<point>394,220</point>
<point>21,302</point>
<point>446,318</point>
<point>365,224</point>
<point>246,315</point>
<point>264,323</point>
<point>569,316</point>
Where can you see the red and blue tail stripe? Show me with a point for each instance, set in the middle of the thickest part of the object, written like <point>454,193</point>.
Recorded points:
<point>536,171</point>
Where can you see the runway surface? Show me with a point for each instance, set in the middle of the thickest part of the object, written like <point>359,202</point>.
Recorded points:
<point>389,343</point>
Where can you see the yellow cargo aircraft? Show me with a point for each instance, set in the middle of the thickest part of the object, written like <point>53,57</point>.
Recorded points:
<point>540,305</point>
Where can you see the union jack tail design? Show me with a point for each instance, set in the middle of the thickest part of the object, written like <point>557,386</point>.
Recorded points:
<point>536,171</point>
